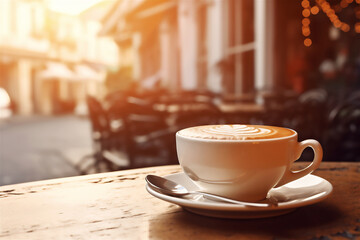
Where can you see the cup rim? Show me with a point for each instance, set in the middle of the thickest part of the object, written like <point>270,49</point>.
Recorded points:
<point>238,140</point>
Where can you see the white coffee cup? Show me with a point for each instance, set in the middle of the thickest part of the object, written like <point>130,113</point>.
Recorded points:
<point>242,162</point>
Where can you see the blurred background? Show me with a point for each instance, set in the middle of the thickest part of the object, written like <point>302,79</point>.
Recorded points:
<point>101,85</point>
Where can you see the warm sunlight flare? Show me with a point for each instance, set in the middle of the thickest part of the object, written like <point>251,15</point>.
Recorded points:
<point>71,7</point>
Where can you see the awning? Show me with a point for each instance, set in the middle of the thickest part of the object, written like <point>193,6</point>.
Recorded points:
<point>21,53</point>
<point>81,72</point>
<point>112,19</point>
<point>130,12</point>
<point>151,8</point>
<point>85,73</point>
<point>55,70</point>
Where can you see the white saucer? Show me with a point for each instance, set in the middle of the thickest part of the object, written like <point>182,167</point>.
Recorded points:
<point>302,192</point>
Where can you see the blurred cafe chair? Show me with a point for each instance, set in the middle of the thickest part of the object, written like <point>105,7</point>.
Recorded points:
<point>238,108</point>
<point>151,141</point>
<point>195,108</point>
<point>305,113</point>
<point>105,140</point>
<point>243,98</point>
<point>342,139</point>
<point>197,114</point>
<point>313,109</point>
<point>280,108</point>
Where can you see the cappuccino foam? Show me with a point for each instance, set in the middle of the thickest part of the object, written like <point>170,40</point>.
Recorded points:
<point>235,132</point>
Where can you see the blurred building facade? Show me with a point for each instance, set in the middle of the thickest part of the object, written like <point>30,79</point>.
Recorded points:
<point>236,46</point>
<point>219,45</point>
<point>50,61</point>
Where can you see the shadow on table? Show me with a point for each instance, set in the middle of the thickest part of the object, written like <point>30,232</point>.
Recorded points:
<point>297,224</point>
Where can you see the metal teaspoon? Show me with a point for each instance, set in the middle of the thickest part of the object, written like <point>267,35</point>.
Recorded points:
<point>171,188</point>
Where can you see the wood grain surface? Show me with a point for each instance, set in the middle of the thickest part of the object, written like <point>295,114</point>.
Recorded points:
<point>116,206</point>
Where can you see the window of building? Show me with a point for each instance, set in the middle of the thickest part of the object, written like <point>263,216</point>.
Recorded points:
<point>239,46</point>
<point>202,46</point>
<point>248,39</point>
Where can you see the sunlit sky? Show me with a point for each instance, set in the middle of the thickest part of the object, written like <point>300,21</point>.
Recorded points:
<point>71,7</point>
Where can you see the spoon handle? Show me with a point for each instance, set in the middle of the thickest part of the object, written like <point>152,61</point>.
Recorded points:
<point>223,199</point>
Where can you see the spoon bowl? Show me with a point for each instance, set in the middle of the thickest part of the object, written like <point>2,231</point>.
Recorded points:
<point>166,186</point>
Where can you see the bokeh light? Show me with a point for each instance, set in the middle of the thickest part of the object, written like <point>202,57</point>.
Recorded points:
<point>305,22</point>
<point>306,12</point>
<point>315,10</point>
<point>307,42</point>
<point>357,27</point>
<point>345,27</point>
<point>305,4</point>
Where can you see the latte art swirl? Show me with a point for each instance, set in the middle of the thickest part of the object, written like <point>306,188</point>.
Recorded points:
<point>235,132</point>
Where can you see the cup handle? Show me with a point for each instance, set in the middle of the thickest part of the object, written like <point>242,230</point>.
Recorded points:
<point>290,176</point>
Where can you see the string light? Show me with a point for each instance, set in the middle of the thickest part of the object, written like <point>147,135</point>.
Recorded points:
<point>314,10</point>
<point>357,27</point>
<point>307,11</point>
<point>305,4</point>
<point>357,13</point>
<point>326,8</point>
<point>344,4</point>
<point>330,12</point>
<point>306,31</point>
<point>307,42</point>
<point>345,27</point>
<point>305,22</point>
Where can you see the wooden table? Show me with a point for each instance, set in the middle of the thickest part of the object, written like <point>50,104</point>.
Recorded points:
<point>116,205</point>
